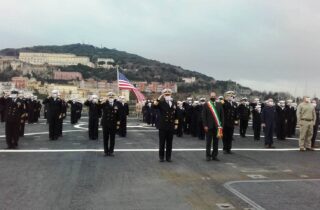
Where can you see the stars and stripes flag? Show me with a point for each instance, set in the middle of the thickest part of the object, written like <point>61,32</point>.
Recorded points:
<point>124,84</point>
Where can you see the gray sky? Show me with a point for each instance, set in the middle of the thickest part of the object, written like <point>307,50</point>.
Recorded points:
<point>267,45</point>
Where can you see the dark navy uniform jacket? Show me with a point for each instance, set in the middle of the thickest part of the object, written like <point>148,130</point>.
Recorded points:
<point>230,113</point>
<point>111,115</point>
<point>168,117</point>
<point>15,108</point>
<point>54,107</point>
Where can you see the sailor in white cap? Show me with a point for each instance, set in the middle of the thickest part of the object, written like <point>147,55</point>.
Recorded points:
<point>281,120</point>
<point>230,120</point>
<point>2,105</point>
<point>188,112</point>
<point>244,115</point>
<point>124,112</point>
<point>94,107</point>
<point>168,123</point>
<point>110,123</point>
<point>54,114</point>
<point>14,115</point>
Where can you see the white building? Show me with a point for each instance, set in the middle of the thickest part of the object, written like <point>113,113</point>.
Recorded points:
<point>189,79</point>
<point>107,62</point>
<point>54,59</point>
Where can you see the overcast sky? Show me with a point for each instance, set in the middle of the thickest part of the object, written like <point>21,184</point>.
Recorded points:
<point>267,45</point>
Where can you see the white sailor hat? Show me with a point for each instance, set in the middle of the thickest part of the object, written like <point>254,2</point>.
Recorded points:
<point>229,93</point>
<point>166,91</point>
<point>54,92</point>
<point>111,94</point>
<point>244,99</point>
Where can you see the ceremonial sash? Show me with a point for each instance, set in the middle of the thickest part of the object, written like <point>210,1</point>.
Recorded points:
<point>216,118</point>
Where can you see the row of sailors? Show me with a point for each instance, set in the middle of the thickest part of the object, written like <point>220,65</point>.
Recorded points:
<point>236,113</point>
<point>32,106</point>
<point>220,117</point>
<point>16,110</point>
<point>217,120</point>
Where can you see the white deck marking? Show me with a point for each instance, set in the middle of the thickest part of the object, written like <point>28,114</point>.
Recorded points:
<point>139,150</point>
<point>256,206</point>
<point>256,176</point>
<point>46,132</point>
<point>297,139</point>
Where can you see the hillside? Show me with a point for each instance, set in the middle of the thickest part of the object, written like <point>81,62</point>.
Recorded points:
<point>137,68</point>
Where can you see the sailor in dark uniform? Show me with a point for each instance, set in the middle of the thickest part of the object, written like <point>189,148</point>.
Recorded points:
<point>230,120</point>
<point>14,113</point>
<point>281,121</point>
<point>168,123</point>
<point>291,115</point>
<point>181,118</point>
<point>110,123</point>
<point>94,106</point>
<point>295,120</point>
<point>256,122</point>
<point>24,117</point>
<point>79,110</point>
<point>2,106</point>
<point>244,115</point>
<point>124,112</point>
<point>268,119</point>
<point>188,111</point>
<point>30,108</point>
<point>37,109</point>
<point>194,129</point>
<point>150,117</point>
<point>64,114</point>
<point>54,114</point>
<point>73,110</point>
<point>201,133</point>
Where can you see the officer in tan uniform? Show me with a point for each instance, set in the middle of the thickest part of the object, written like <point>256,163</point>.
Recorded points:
<point>306,118</point>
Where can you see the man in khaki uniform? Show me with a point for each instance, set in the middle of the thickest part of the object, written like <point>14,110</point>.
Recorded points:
<point>306,118</point>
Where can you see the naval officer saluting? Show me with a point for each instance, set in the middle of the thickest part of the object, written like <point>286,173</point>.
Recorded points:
<point>168,123</point>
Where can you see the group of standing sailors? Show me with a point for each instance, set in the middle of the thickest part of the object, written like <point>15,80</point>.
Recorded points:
<point>208,120</point>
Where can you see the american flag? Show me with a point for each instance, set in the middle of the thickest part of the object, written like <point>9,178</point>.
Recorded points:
<point>124,84</point>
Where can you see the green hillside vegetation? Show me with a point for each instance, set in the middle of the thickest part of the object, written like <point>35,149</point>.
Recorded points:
<point>136,68</point>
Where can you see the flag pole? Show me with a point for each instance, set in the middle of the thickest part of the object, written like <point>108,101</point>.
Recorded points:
<point>118,89</point>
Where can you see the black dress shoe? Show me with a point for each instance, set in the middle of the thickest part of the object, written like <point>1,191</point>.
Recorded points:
<point>169,160</point>
<point>215,159</point>
<point>111,154</point>
<point>106,154</point>
<point>208,158</point>
<point>161,160</point>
